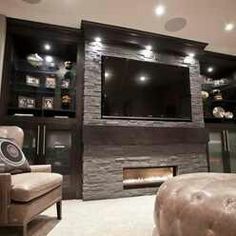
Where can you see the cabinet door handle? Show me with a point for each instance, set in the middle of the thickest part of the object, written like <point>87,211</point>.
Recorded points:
<point>227,140</point>
<point>224,141</point>
<point>44,140</point>
<point>38,137</point>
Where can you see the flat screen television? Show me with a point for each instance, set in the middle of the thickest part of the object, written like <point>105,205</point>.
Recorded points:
<point>133,89</point>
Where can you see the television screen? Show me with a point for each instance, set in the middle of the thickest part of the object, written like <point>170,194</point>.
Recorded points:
<point>144,90</point>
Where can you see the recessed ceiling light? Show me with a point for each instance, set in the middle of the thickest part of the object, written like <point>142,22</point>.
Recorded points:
<point>107,74</point>
<point>229,27</point>
<point>160,10</point>
<point>143,78</point>
<point>148,47</point>
<point>210,69</point>
<point>98,40</point>
<point>49,59</point>
<point>47,46</point>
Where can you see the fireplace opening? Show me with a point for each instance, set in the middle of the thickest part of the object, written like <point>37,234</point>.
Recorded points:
<point>142,177</point>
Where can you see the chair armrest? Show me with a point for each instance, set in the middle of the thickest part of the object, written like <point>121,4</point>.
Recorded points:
<point>5,189</point>
<point>41,168</point>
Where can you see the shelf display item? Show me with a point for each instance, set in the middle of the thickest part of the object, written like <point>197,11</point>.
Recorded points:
<point>217,94</point>
<point>65,84</point>
<point>68,65</point>
<point>218,112</point>
<point>35,60</point>
<point>229,115</point>
<point>48,103</point>
<point>50,82</point>
<point>66,81</point>
<point>32,81</point>
<point>26,102</point>
<point>66,101</point>
<point>221,82</point>
<point>204,94</point>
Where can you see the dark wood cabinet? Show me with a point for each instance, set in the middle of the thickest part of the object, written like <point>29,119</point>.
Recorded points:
<point>42,94</point>
<point>222,148</point>
<point>58,145</point>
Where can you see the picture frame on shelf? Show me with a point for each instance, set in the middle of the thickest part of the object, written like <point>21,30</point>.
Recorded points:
<point>68,65</point>
<point>65,84</point>
<point>47,103</point>
<point>50,82</point>
<point>32,81</point>
<point>26,102</point>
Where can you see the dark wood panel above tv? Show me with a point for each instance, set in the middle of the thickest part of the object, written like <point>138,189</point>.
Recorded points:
<point>137,38</point>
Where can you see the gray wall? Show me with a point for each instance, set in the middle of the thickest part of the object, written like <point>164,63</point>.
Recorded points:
<point>92,85</point>
<point>2,44</point>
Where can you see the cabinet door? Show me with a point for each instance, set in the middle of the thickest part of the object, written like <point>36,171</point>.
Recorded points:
<point>57,150</point>
<point>231,138</point>
<point>31,145</point>
<point>216,151</point>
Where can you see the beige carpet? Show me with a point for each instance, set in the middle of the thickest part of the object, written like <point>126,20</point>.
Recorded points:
<point>116,217</point>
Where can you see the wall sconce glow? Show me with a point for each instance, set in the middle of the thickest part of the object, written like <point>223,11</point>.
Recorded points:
<point>229,27</point>
<point>98,40</point>
<point>148,47</point>
<point>210,69</point>
<point>143,78</point>
<point>47,46</point>
<point>160,10</point>
<point>49,59</point>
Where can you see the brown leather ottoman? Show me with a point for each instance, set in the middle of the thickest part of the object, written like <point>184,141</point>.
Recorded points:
<point>199,204</point>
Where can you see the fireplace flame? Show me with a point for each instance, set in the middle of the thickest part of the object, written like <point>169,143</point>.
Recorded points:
<point>147,180</point>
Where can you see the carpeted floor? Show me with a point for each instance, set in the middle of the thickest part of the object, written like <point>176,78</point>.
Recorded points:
<point>116,217</point>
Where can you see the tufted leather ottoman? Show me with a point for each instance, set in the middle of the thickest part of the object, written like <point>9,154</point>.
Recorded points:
<point>199,204</point>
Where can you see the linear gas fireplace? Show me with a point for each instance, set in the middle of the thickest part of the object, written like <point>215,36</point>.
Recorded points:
<point>142,177</point>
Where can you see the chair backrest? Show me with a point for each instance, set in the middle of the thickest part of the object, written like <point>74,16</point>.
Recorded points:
<point>13,132</point>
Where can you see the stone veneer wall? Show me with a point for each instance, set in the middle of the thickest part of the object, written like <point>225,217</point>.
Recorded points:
<point>103,166</point>
<point>103,163</point>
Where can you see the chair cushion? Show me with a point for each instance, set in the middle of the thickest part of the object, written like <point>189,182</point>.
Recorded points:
<point>28,186</point>
<point>12,159</point>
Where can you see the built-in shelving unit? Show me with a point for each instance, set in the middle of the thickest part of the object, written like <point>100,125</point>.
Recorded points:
<point>219,87</point>
<point>42,79</point>
<point>42,94</point>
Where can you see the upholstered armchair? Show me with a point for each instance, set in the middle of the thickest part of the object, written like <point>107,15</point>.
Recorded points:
<point>24,196</point>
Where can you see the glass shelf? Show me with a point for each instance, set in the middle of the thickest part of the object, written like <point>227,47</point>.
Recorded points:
<point>220,93</point>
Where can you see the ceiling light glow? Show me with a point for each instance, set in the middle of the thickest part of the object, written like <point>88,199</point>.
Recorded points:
<point>229,27</point>
<point>191,54</point>
<point>210,69</point>
<point>160,10</point>
<point>49,59</point>
<point>47,46</point>
<point>143,78</point>
<point>188,60</point>
<point>107,75</point>
<point>98,40</point>
<point>148,47</point>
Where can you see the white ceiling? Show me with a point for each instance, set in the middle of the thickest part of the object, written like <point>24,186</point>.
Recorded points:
<point>205,18</point>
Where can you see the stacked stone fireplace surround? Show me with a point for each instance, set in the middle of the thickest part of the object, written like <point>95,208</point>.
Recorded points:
<point>110,145</point>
